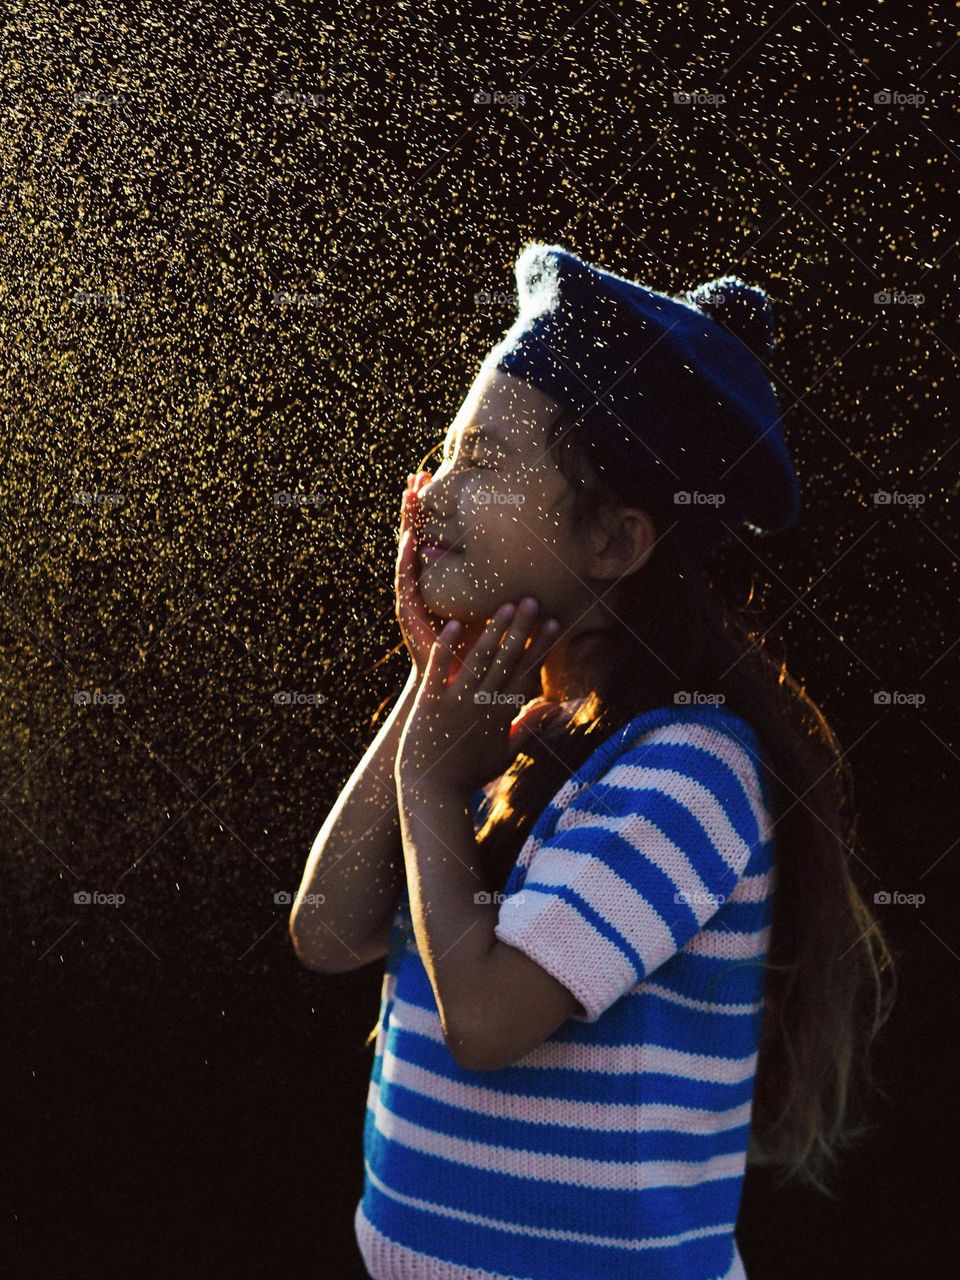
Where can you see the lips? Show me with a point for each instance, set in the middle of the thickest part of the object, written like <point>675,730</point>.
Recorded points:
<point>430,543</point>
<point>432,551</point>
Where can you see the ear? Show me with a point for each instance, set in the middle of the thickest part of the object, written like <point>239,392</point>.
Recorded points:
<point>621,541</point>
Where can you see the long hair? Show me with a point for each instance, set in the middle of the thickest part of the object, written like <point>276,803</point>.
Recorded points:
<point>674,629</point>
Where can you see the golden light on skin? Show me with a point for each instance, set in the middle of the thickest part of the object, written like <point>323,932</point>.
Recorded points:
<point>213,297</point>
<point>499,497</point>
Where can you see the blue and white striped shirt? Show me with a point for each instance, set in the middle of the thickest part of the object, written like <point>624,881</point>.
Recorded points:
<point>617,1147</point>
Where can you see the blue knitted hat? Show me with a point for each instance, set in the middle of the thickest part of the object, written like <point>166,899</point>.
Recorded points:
<point>673,389</point>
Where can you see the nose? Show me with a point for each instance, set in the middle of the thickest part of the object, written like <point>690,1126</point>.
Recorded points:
<point>421,513</point>
<point>426,493</point>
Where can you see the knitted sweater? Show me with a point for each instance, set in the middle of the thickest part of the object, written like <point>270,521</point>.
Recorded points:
<point>617,1147</point>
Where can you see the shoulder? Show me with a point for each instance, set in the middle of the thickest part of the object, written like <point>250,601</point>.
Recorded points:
<point>697,754</point>
<point>708,730</point>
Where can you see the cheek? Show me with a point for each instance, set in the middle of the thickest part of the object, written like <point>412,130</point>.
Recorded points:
<point>484,509</point>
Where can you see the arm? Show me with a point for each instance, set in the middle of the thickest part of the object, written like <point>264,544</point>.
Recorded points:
<point>355,862</point>
<point>495,1003</point>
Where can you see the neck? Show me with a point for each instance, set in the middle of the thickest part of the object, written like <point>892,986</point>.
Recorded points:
<point>566,672</point>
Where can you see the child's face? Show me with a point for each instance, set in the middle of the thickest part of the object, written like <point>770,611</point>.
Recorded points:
<point>504,505</point>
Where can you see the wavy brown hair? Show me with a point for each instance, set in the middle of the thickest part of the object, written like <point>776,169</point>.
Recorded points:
<point>830,976</point>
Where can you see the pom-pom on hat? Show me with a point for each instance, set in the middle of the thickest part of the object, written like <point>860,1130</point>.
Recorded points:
<point>674,388</point>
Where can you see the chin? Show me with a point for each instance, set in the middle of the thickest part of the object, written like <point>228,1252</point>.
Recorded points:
<point>451,605</point>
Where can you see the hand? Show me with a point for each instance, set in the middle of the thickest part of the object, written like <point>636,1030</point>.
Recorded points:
<point>418,626</point>
<point>458,729</point>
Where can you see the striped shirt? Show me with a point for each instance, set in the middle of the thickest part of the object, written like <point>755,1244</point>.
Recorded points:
<point>617,1147</point>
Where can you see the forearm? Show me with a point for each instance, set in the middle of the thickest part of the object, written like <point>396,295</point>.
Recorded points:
<point>454,931</point>
<point>353,874</point>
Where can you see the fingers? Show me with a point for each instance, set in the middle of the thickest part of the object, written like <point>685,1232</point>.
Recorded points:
<point>405,577</point>
<point>518,664</point>
<point>409,518</point>
<point>440,657</point>
<point>410,502</point>
<point>477,661</point>
<point>491,663</point>
<point>418,626</point>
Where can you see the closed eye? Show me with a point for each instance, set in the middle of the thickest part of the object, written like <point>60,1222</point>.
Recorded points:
<point>468,464</point>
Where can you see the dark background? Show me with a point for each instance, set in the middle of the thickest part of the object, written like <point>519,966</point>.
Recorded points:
<point>241,250</point>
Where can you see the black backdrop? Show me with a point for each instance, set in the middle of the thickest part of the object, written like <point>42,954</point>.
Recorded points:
<point>257,250</point>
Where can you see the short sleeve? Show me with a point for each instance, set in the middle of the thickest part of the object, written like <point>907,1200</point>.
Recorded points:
<point>640,860</point>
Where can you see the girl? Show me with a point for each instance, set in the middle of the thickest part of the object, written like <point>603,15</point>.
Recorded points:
<point>595,1006</point>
